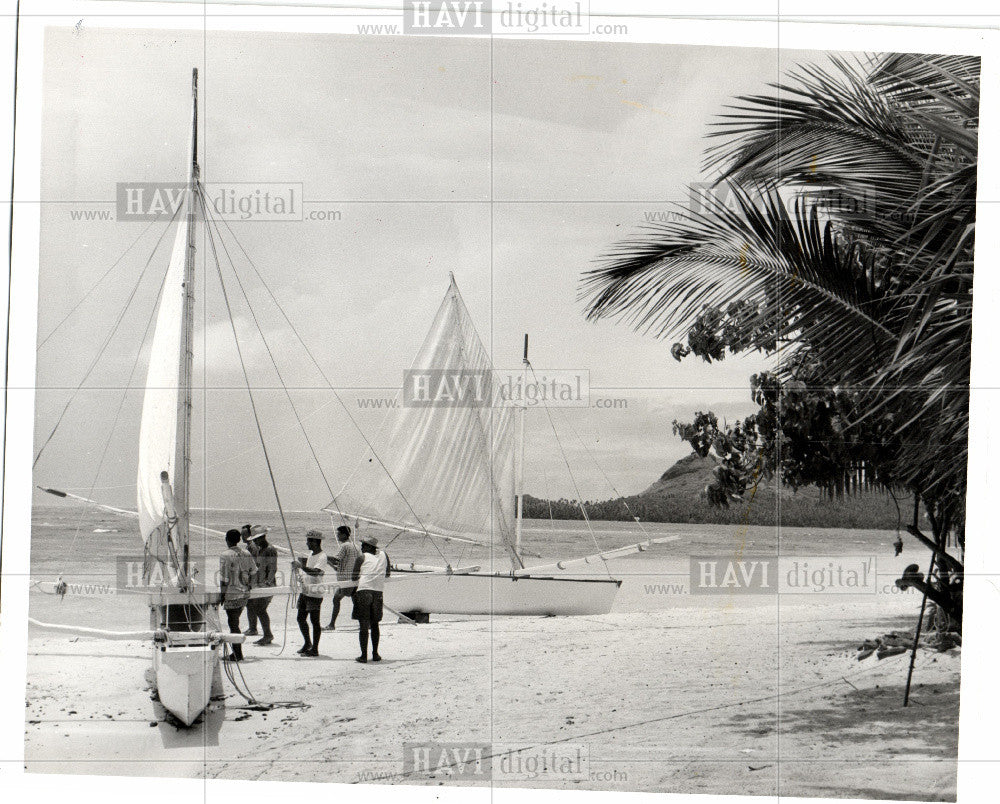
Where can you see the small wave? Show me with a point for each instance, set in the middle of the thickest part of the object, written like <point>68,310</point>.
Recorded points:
<point>105,530</point>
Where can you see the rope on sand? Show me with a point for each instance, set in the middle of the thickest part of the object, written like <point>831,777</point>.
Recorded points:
<point>678,715</point>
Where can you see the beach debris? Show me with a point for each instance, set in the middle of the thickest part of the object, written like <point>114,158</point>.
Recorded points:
<point>758,767</point>
<point>896,642</point>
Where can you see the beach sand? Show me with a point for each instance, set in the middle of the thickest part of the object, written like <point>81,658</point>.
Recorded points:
<point>683,693</point>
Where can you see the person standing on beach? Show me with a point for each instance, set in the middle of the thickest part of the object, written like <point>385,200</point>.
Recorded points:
<point>236,571</point>
<point>251,548</point>
<point>267,571</point>
<point>347,556</point>
<point>372,570</point>
<point>310,570</point>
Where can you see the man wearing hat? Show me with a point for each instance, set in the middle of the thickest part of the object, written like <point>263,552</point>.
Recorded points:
<point>251,548</point>
<point>310,572</point>
<point>372,570</point>
<point>267,570</point>
<point>236,571</point>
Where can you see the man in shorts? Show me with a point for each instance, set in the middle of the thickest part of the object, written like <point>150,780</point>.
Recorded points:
<point>372,570</point>
<point>310,571</point>
<point>344,561</point>
<point>267,571</point>
<point>236,572</point>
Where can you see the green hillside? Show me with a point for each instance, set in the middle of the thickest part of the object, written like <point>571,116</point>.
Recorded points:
<point>678,496</point>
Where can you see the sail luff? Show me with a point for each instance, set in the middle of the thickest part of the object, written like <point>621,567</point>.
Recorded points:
<point>165,431</point>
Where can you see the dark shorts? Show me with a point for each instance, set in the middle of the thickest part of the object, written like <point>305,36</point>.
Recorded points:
<point>232,604</point>
<point>307,603</point>
<point>343,592</point>
<point>367,606</point>
<point>258,604</point>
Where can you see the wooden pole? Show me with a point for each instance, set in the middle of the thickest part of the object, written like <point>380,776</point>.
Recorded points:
<point>916,636</point>
<point>519,476</point>
<point>923,603</point>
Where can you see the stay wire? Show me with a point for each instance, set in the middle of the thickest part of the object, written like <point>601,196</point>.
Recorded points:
<point>615,491</point>
<point>246,379</point>
<point>270,355</point>
<point>326,379</point>
<point>94,287</point>
<point>107,340</point>
<point>572,477</point>
<point>121,405</point>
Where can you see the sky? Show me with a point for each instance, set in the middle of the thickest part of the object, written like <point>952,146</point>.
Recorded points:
<point>514,167</point>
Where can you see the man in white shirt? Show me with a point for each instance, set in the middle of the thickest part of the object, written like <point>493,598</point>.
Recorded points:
<point>372,570</point>
<point>310,572</point>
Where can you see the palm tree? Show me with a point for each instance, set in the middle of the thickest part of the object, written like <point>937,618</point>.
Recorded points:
<point>839,237</point>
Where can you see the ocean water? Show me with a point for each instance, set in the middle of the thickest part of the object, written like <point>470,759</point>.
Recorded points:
<point>84,545</point>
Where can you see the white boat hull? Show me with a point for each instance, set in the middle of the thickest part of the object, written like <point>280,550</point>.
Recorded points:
<point>184,678</point>
<point>498,594</point>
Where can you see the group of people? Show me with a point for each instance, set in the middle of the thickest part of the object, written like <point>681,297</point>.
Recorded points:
<point>249,563</point>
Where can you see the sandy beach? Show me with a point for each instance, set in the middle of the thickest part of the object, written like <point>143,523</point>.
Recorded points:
<point>752,694</point>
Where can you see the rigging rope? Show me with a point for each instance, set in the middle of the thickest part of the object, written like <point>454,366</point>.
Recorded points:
<point>94,286</point>
<point>107,341</point>
<point>615,491</point>
<point>246,379</point>
<point>326,379</point>
<point>248,696</point>
<point>572,477</point>
<point>114,423</point>
<point>548,499</point>
<point>270,355</point>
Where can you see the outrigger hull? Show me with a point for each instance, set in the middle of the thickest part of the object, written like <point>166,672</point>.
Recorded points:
<point>498,594</point>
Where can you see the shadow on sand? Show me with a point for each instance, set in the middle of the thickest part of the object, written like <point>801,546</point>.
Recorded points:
<point>928,726</point>
<point>873,629</point>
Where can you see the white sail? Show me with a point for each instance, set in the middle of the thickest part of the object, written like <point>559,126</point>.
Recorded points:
<point>448,466</point>
<point>158,430</point>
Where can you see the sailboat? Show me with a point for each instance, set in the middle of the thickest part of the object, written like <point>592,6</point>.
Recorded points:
<point>450,466</point>
<point>185,634</point>
<point>183,612</point>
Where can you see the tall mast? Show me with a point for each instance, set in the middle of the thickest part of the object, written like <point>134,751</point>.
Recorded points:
<point>519,479</point>
<point>182,463</point>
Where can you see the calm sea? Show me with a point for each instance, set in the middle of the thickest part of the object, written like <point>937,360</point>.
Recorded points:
<point>83,543</point>
<point>82,546</point>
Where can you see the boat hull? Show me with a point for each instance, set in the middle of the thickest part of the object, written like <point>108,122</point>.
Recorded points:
<point>184,676</point>
<point>498,594</point>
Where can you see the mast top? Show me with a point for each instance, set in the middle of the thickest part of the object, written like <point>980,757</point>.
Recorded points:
<point>194,124</point>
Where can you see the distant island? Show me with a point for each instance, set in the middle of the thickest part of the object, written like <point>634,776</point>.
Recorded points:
<point>677,496</point>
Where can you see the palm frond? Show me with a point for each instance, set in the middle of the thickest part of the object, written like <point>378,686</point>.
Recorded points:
<point>783,258</point>
<point>818,128</point>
